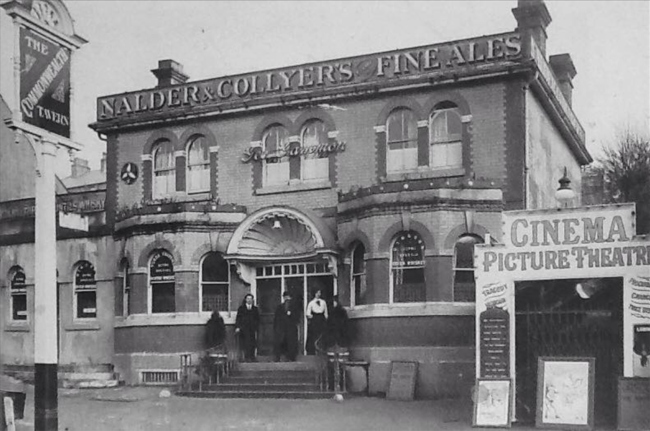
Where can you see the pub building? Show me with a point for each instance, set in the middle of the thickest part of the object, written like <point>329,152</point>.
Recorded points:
<point>370,178</point>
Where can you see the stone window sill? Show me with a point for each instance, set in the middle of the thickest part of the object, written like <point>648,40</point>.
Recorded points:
<point>424,174</point>
<point>17,326</point>
<point>83,326</point>
<point>294,187</point>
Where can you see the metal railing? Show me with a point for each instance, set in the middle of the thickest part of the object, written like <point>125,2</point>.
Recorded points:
<point>209,367</point>
<point>331,364</point>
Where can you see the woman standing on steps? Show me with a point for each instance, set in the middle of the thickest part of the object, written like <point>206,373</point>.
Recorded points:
<point>317,318</point>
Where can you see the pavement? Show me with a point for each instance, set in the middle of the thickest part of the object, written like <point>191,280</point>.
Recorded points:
<point>143,409</point>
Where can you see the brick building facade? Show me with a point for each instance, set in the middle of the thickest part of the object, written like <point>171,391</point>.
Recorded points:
<point>368,177</point>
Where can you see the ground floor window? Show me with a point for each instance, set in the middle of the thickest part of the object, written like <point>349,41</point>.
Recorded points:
<point>407,268</point>
<point>215,283</point>
<point>85,291</point>
<point>162,283</point>
<point>18,294</point>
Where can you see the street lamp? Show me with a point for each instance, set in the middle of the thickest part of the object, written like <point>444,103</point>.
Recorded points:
<point>564,193</point>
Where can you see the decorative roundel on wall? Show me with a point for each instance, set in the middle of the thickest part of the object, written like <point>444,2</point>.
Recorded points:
<point>129,173</point>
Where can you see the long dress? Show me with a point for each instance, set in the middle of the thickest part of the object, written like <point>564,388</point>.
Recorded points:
<point>285,331</point>
<point>317,316</point>
<point>248,322</point>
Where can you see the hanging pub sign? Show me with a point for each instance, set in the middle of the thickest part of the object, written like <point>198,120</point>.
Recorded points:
<point>18,281</point>
<point>44,83</point>
<point>162,268</point>
<point>85,275</point>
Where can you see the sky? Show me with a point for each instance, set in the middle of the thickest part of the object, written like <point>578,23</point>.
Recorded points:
<point>609,43</point>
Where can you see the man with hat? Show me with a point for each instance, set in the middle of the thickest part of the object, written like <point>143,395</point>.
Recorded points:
<point>285,329</point>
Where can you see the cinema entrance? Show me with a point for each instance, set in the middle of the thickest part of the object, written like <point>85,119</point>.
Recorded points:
<point>561,305</point>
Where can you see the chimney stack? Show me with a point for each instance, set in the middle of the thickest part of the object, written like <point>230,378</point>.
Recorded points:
<point>532,18</point>
<point>564,71</point>
<point>169,73</point>
<point>79,167</point>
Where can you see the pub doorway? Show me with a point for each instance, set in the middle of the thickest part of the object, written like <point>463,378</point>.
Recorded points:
<point>569,318</point>
<point>302,280</point>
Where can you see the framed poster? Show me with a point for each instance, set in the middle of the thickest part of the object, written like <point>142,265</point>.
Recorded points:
<point>565,393</point>
<point>492,403</point>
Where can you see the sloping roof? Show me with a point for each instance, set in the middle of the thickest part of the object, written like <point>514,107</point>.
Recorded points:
<point>91,178</point>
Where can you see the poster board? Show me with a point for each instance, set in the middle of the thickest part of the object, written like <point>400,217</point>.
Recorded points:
<point>492,403</point>
<point>565,393</point>
<point>633,403</point>
<point>403,376</point>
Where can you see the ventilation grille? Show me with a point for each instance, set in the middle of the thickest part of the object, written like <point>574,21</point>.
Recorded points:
<point>158,377</point>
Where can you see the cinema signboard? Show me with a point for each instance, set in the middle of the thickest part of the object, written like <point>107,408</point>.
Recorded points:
<point>568,243</point>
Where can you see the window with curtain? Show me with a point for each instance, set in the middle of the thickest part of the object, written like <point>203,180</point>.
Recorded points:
<point>18,294</point>
<point>162,283</point>
<point>85,291</point>
<point>445,137</point>
<point>276,169</point>
<point>164,170</point>
<point>198,165</point>
<point>314,164</point>
<point>407,268</point>
<point>464,283</point>
<point>401,141</point>
<point>215,283</point>
<point>358,284</point>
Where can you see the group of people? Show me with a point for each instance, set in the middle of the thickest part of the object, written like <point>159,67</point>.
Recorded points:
<point>327,326</point>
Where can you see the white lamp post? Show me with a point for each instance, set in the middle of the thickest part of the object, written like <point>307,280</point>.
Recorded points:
<point>564,193</point>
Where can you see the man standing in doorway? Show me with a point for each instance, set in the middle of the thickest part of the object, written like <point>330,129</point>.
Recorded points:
<point>285,329</point>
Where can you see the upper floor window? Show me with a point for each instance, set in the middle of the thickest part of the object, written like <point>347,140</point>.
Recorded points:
<point>18,294</point>
<point>358,275</point>
<point>162,283</point>
<point>276,169</point>
<point>464,283</point>
<point>315,162</point>
<point>215,281</point>
<point>407,268</point>
<point>164,170</point>
<point>401,141</point>
<point>445,137</point>
<point>85,291</point>
<point>198,165</point>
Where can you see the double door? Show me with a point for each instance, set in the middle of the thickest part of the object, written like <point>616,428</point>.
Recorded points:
<point>301,281</point>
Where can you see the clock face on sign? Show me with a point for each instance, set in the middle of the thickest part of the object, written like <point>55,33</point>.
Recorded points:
<point>45,13</point>
<point>129,173</point>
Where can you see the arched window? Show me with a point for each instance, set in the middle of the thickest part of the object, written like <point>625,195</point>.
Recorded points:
<point>407,268</point>
<point>162,283</point>
<point>18,294</point>
<point>126,288</point>
<point>276,165</point>
<point>464,284</point>
<point>445,137</point>
<point>198,165</point>
<point>358,274</point>
<point>85,291</point>
<point>164,170</point>
<point>401,141</point>
<point>215,281</point>
<point>315,163</point>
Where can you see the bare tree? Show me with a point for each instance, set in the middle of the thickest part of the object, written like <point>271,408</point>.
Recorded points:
<point>626,169</point>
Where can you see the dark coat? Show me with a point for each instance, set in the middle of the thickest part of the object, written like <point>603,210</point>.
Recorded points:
<point>285,330</point>
<point>215,331</point>
<point>338,329</point>
<point>247,321</point>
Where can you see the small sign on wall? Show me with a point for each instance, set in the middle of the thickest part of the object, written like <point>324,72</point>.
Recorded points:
<point>633,403</point>
<point>403,376</point>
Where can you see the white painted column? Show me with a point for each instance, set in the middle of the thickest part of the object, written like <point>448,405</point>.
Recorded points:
<point>45,297</point>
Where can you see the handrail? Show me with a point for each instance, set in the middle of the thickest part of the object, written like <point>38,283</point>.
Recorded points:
<point>335,355</point>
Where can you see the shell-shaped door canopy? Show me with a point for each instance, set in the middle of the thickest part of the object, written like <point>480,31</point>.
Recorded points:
<point>277,234</point>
